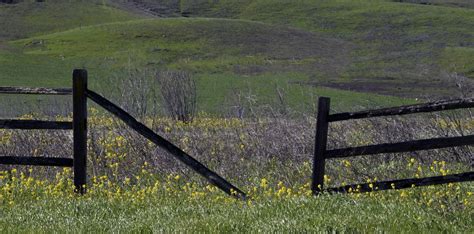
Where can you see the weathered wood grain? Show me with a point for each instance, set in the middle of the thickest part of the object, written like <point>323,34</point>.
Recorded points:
<point>39,91</point>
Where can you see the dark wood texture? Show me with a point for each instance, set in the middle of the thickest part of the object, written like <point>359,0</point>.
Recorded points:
<point>403,110</point>
<point>211,176</point>
<point>409,146</point>
<point>80,129</point>
<point>34,124</point>
<point>405,183</point>
<point>42,91</point>
<point>36,161</point>
<point>320,145</point>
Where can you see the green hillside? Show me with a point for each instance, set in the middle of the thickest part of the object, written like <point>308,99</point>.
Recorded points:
<point>30,17</point>
<point>400,48</point>
<point>307,47</point>
<point>224,54</point>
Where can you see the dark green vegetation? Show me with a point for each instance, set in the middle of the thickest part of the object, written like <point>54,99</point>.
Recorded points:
<point>256,47</point>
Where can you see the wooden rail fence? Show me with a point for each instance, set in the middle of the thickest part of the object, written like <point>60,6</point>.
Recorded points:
<point>321,153</point>
<point>80,94</point>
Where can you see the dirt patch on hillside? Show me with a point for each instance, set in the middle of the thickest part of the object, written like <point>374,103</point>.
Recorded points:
<point>448,87</point>
<point>5,47</point>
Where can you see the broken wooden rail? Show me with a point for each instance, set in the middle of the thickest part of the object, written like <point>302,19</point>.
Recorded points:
<point>321,153</point>
<point>179,154</point>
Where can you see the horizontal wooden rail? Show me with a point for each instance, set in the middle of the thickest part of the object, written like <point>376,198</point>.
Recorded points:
<point>404,110</point>
<point>42,91</point>
<point>409,146</point>
<point>140,128</point>
<point>34,124</point>
<point>405,183</point>
<point>36,161</point>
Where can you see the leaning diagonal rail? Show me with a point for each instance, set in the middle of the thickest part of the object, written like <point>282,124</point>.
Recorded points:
<point>211,176</point>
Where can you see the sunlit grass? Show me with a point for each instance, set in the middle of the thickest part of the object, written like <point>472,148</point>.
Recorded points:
<point>145,203</point>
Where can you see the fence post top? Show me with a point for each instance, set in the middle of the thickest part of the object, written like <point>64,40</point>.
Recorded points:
<point>79,73</point>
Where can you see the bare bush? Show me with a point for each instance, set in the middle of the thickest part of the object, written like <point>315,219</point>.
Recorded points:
<point>137,89</point>
<point>178,92</point>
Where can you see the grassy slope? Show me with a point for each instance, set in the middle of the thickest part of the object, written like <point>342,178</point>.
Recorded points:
<point>232,54</point>
<point>398,45</point>
<point>30,18</point>
<point>383,47</point>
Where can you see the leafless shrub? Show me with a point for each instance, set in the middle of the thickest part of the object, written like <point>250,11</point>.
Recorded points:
<point>135,90</point>
<point>178,92</point>
<point>241,104</point>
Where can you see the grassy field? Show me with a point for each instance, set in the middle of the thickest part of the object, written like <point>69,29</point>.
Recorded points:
<point>31,205</point>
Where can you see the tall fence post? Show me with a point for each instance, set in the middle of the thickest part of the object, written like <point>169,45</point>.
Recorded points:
<point>79,88</point>
<point>320,145</point>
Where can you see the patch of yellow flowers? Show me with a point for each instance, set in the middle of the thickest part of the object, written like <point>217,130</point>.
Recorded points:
<point>16,187</point>
<point>466,124</point>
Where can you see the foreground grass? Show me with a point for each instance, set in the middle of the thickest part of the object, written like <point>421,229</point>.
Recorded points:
<point>329,213</point>
<point>173,204</point>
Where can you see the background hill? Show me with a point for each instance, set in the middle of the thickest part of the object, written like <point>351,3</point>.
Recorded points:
<point>354,51</point>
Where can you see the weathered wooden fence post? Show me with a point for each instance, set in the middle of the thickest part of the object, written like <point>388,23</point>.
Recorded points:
<point>320,145</point>
<point>80,129</point>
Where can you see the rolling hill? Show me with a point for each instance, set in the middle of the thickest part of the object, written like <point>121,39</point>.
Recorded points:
<point>353,50</point>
